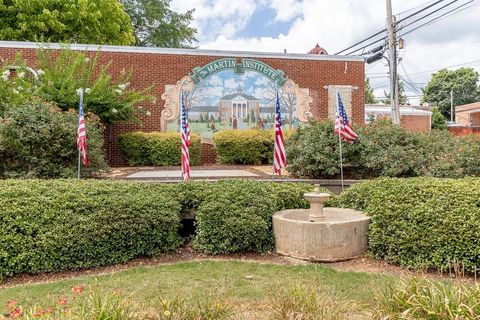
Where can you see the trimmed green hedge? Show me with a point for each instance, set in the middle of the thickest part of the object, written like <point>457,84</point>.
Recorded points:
<point>420,222</point>
<point>54,225</point>
<point>245,146</point>
<point>157,148</point>
<point>235,215</point>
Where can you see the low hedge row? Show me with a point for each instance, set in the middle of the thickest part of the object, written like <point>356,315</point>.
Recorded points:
<point>421,222</point>
<point>157,148</point>
<point>55,225</point>
<point>245,146</point>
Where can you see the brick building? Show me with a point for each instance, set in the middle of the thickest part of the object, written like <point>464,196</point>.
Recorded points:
<point>412,118</point>
<point>317,77</point>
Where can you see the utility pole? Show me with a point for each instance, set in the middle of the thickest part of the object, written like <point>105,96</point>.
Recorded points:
<point>392,53</point>
<point>451,105</point>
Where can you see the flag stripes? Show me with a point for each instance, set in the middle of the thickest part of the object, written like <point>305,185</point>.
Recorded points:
<point>82,133</point>
<point>185,132</point>
<point>342,125</point>
<point>279,158</point>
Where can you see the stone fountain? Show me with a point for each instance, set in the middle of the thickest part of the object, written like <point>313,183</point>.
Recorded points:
<point>320,234</point>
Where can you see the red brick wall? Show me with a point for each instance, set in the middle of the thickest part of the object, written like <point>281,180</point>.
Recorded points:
<point>415,122</point>
<point>160,69</point>
<point>461,131</point>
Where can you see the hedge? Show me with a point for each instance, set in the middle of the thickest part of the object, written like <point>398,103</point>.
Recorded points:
<point>382,149</point>
<point>54,225</point>
<point>420,222</point>
<point>245,146</point>
<point>157,148</point>
<point>235,215</point>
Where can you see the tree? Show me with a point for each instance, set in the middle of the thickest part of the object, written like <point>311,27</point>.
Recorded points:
<point>402,97</point>
<point>156,25</point>
<point>463,83</point>
<point>66,21</point>
<point>369,96</point>
<point>438,120</point>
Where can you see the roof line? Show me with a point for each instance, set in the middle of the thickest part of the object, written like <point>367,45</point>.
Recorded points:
<point>175,51</point>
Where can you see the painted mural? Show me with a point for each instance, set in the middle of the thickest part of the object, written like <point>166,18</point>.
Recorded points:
<point>226,94</point>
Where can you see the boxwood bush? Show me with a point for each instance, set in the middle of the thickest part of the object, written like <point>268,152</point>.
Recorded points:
<point>235,215</point>
<point>54,225</point>
<point>420,222</point>
<point>252,146</point>
<point>157,148</point>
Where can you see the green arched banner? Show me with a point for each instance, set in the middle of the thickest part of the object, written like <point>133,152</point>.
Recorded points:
<point>200,73</point>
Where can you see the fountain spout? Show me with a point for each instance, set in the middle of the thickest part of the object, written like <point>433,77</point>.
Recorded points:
<point>317,200</point>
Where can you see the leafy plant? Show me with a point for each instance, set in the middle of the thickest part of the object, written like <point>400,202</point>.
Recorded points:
<point>425,299</point>
<point>39,140</point>
<point>157,148</point>
<point>420,222</point>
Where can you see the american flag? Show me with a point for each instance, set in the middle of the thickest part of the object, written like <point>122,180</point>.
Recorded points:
<point>342,125</point>
<point>279,160</point>
<point>185,143</point>
<point>82,132</point>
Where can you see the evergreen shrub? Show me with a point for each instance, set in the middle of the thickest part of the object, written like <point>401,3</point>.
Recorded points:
<point>157,148</point>
<point>37,139</point>
<point>420,222</point>
<point>55,225</point>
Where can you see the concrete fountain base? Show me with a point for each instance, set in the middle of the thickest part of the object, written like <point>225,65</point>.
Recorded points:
<point>336,234</point>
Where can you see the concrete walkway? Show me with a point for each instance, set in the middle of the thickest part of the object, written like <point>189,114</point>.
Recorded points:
<point>166,174</point>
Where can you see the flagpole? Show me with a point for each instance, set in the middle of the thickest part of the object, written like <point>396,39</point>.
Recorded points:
<point>80,91</point>
<point>340,141</point>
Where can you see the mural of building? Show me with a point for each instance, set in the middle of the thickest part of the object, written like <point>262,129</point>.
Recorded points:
<point>238,106</point>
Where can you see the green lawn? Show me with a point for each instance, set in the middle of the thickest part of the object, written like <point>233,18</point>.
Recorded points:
<point>244,283</point>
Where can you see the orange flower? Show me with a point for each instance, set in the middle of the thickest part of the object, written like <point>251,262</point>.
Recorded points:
<point>62,301</point>
<point>41,312</point>
<point>77,289</point>
<point>16,313</point>
<point>11,304</point>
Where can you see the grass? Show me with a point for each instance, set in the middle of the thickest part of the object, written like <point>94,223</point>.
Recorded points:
<point>247,285</point>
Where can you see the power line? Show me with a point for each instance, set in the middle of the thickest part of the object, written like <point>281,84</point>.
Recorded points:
<point>362,41</point>
<point>419,11</point>
<point>436,18</point>
<point>425,16</point>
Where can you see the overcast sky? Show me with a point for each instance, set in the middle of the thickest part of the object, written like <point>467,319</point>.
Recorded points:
<point>275,25</point>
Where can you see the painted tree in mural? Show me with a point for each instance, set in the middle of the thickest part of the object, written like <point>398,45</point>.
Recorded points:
<point>288,101</point>
<point>70,21</point>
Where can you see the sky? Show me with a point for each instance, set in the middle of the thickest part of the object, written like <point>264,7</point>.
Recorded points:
<point>298,25</point>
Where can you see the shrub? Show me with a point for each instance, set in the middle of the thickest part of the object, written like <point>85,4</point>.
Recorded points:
<point>243,146</point>
<point>157,148</point>
<point>382,149</point>
<point>235,215</point>
<point>425,299</point>
<point>54,225</point>
<point>420,222</point>
<point>313,151</point>
<point>39,140</point>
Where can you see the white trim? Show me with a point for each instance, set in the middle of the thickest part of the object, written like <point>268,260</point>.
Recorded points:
<point>192,52</point>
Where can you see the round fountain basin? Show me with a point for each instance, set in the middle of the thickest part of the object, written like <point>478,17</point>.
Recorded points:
<point>341,235</point>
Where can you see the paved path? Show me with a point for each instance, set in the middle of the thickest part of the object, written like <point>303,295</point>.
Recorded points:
<point>159,174</point>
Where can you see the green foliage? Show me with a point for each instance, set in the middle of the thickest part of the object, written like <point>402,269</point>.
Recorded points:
<point>157,148</point>
<point>382,149</point>
<point>246,146</point>
<point>67,21</point>
<point>113,101</point>
<point>425,299</point>
<point>243,146</point>
<point>438,120</point>
<point>313,152</point>
<point>235,215</point>
<point>156,25</point>
<point>463,82</point>
<point>39,140</point>
<point>420,222</point>
<point>54,225</point>
<point>369,95</point>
